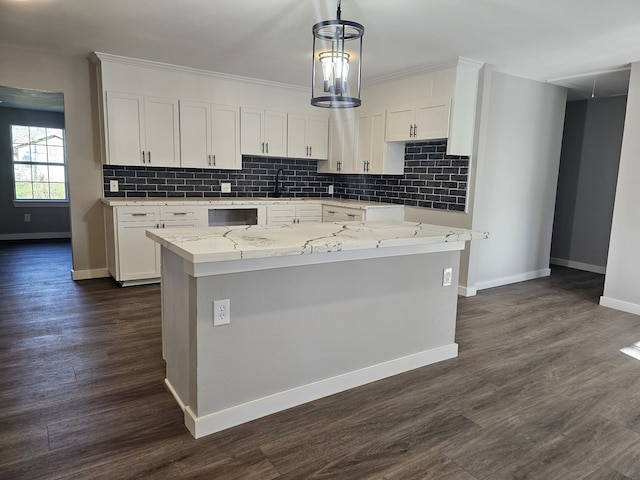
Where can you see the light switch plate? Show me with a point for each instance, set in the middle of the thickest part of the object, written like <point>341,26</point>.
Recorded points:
<point>225,187</point>
<point>330,190</point>
<point>447,273</point>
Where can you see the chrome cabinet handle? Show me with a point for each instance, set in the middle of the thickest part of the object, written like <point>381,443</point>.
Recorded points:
<point>139,214</point>
<point>143,156</point>
<point>310,150</point>
<point>331,212</point>
<point>214,160</point>
<point>262,147</point>
<point>267,144</point>
<point>179,213</point>
<point>149,156</point>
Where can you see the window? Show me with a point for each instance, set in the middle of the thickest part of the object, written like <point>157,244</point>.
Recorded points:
<point>39,167</point>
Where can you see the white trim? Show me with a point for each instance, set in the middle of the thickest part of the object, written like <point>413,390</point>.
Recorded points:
<point>41,203</point>
<point>620,305</point>
<point>217,421</point>
<point>587,267</point>
<point>467,291</point>
<point>35,236</point>
<point>521,277</point>
<point>89,274</point>
<point>173,392</point>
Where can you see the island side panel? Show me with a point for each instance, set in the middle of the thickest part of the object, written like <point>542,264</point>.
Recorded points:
<point>176,327</point>
<point>295,326</point>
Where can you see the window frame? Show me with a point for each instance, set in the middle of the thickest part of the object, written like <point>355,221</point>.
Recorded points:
<point>40,202</point>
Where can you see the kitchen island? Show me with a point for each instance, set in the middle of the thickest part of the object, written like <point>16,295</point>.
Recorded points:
<point>257,319</point>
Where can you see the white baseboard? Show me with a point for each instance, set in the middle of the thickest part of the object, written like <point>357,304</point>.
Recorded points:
<point>467,291</point>
<point>89,274</point>
<point>217,421</point>
<point>620,305</point>
<point>35,236</point>
<point>521,277</point>
<point>587,267</point>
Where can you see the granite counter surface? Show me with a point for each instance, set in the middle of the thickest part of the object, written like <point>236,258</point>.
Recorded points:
<point>216,244</point>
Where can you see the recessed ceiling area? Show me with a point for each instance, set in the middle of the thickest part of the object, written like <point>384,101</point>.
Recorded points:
<point>31,99</point>
<point>596,85</point>
<point>271,40</point>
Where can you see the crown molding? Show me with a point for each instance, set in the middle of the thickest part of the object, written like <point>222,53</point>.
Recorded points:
<point>100,57</point>
<point>424,69</point>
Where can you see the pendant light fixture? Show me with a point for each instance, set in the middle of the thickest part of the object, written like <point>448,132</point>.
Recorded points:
<point>337,53</point>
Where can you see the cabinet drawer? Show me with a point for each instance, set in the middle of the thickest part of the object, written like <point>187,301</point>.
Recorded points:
<point>137,214</point>
<point>341,214</point>
<point>178,212</point>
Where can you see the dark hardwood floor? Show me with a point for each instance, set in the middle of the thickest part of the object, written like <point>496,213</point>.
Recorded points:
<point>539,391</point>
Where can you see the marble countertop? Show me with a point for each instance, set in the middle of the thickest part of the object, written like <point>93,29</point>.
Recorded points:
<point>336,202</point>
<point>219,244</point>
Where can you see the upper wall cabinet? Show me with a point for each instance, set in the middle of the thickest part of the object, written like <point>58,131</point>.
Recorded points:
<point>426,122</point>
<point>373,154</point>
<point>307,136</point>
<point>342,149</point>
<point>209,136</point>
<point>142,130</point>
<point>264,132</point>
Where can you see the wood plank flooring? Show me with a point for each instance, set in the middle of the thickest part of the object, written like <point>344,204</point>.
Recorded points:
<point>539,391</point>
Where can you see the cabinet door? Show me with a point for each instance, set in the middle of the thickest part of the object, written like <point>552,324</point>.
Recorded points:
<point>275,134</point>
<point>378,145</point>
<point>433,120</point>
<point>309,213</point>
<point>225,137</point>
<point>251,136</point>
<point>280,214</point>
<point>195,134</point>
<point>125,127</point>
<point>399,124</point>
<point>297,146</point>
<point>161,129</point>
<point>364,142</point>
<point>138,255</point>
<point>318,137</point>
<point>342,148</point>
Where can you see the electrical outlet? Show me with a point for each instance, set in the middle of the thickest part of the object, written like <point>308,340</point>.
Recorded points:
<point>447,273</point>
<point>330,190</point>
<point>27,217</point>
<point>113,185</point>
<point>225,187</point>
<point>221,312</point>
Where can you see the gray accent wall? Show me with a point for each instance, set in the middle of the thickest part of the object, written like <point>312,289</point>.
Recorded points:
<point>46,222</point>
<point>587,182</point>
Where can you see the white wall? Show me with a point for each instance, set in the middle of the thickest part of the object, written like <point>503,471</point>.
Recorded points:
<point>519,141</point>
<point>622,281</point>
<point>70,76</point>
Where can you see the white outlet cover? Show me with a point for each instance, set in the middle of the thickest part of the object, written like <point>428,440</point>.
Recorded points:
<point>447,275</point>
<point>225,187</point>
<point>330,190</point>
<point>221,312</point>
<point>113,185</point>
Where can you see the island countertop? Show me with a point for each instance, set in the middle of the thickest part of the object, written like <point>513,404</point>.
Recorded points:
<point>217,244</point>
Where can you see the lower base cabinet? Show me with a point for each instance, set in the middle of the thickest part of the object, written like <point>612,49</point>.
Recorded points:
<point>293,214</point>
<point>133,258</point>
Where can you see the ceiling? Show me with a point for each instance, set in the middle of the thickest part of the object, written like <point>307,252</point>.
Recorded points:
<point>568,42</point>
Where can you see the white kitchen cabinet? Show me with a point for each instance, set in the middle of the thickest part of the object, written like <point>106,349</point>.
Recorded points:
<point>307,136</point>
<point>342,149</point>
<point>132,258</point>
<point>426,122</point>
<point>334,213</point>
<point>142,130</point>
<point>286,214</point>
<point>263,132</point>
<point>331,213</point>
<point>209,136</point>
<point>373,154</point>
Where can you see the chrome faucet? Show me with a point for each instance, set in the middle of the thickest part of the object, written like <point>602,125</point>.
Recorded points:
<point>276,191</point>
